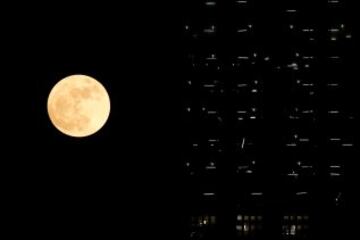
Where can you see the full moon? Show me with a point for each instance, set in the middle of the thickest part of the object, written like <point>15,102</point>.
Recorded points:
<point>78,106</point>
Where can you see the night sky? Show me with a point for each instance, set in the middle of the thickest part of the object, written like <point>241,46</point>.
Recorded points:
<point>118,181</point>
<point>128,177</point>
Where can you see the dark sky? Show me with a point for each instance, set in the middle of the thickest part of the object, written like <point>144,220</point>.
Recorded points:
<point>121,177</point>
<point>126,178</point>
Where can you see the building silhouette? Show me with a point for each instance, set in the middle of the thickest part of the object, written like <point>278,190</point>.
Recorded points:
<point>268,118</point>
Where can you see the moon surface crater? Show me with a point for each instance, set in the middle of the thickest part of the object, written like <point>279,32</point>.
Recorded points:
<point>78,105</point>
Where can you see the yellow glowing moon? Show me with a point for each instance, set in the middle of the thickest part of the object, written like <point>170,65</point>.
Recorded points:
<point>78,105</point>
